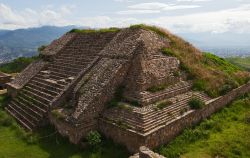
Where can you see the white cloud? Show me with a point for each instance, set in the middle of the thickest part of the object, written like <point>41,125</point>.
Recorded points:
<point>127,12</point>
<point>10,19</point>
<point>234,20</point>
<point>160,6</point>
<point>193,0</point>
<point>155,7</point>
<point>123,0</point>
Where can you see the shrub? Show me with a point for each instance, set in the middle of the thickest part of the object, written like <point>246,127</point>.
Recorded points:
<point>168,52</point>
<point>248,118</point>
<point>163,104</point>
<point>93,138</point>
<point>122,124</point>
<point>225,89</point>
<point>199,85</point>
<point>41,48</point>
<point>157,88</point>
<point>5,120</point>
<point>57,114</point>
<point>125,106</point>
<point>196,103</point>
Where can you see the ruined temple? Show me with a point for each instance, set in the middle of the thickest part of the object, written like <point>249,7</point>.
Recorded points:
<point>106,81</point>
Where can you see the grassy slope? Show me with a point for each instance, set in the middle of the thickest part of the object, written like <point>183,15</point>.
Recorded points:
<point>210,71</point>
<point>241,62</point>
<point>225,134</point>
<point>15,143</point>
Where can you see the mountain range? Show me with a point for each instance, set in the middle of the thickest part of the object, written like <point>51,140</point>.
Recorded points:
<point>24,42</point>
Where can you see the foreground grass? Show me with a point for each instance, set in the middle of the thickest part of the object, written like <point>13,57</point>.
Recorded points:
<point>226,134</point>
<point>15,143</point>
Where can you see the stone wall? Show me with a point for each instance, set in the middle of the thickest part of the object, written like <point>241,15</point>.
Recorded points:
<point>146,153</point>
<point>166,133</point>
<point>4,78</point>
<point>25,76</point>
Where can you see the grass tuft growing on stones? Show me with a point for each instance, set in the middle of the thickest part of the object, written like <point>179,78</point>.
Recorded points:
<point>224,134</point>
<point>196,103</point>
<point>105,30</point>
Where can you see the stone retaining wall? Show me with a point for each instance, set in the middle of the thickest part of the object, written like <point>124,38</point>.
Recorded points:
<point>166,133</point>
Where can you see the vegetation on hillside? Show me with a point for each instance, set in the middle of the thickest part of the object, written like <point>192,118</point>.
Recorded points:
<point>47,143</point>
<point>241,62</point>
<point>17,65</point>
<point>211,73</point>
<point>225,134</point>
<point>112,29</point>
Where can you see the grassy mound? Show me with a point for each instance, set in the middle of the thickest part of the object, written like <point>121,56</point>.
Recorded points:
<point>17,65</point>
<point>225,134</point>
<point>211,73</point>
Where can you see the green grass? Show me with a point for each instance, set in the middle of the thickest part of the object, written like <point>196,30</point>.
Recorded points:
<point>241,62</point>
<point>212,60</point>
<point>15,143</point>
<point>17,65</point>
<point>112,29</point>
<point>225,134</point>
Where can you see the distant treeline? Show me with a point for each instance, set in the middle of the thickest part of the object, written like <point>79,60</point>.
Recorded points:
<point>17,65</point>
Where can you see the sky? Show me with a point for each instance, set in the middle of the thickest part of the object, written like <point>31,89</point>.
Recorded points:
<point>179,16</point>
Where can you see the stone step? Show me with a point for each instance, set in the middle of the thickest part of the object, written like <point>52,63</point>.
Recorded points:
<point>163,118</point>
<point>48,91</point>
<point>36,96</point>
<point>167,94</point>
<point>39,111</point>
<point>19,120</point>
<point>61,71</point>
<point>37,103</point>
<point>62,67</point>
<point>73,60</point>
<point>77,58</point>
<point>44,85</point>
<point>21,117</point>
<point>80,65</point>
<point>31,109</point>
<point>49,83</point>
<point>40,93</point>
<point>24,111</point>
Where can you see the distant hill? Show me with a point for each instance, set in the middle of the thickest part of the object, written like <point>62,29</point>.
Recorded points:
<point>222,44</point>
<point>24,42</point>
<point>242,62</point>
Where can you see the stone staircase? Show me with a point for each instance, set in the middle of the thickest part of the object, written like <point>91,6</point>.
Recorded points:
<point>173,90</point>
<point>148,118</point>
<point>33,101</point>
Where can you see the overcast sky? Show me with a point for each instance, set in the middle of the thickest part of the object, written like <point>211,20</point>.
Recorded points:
<point>216,16</point>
